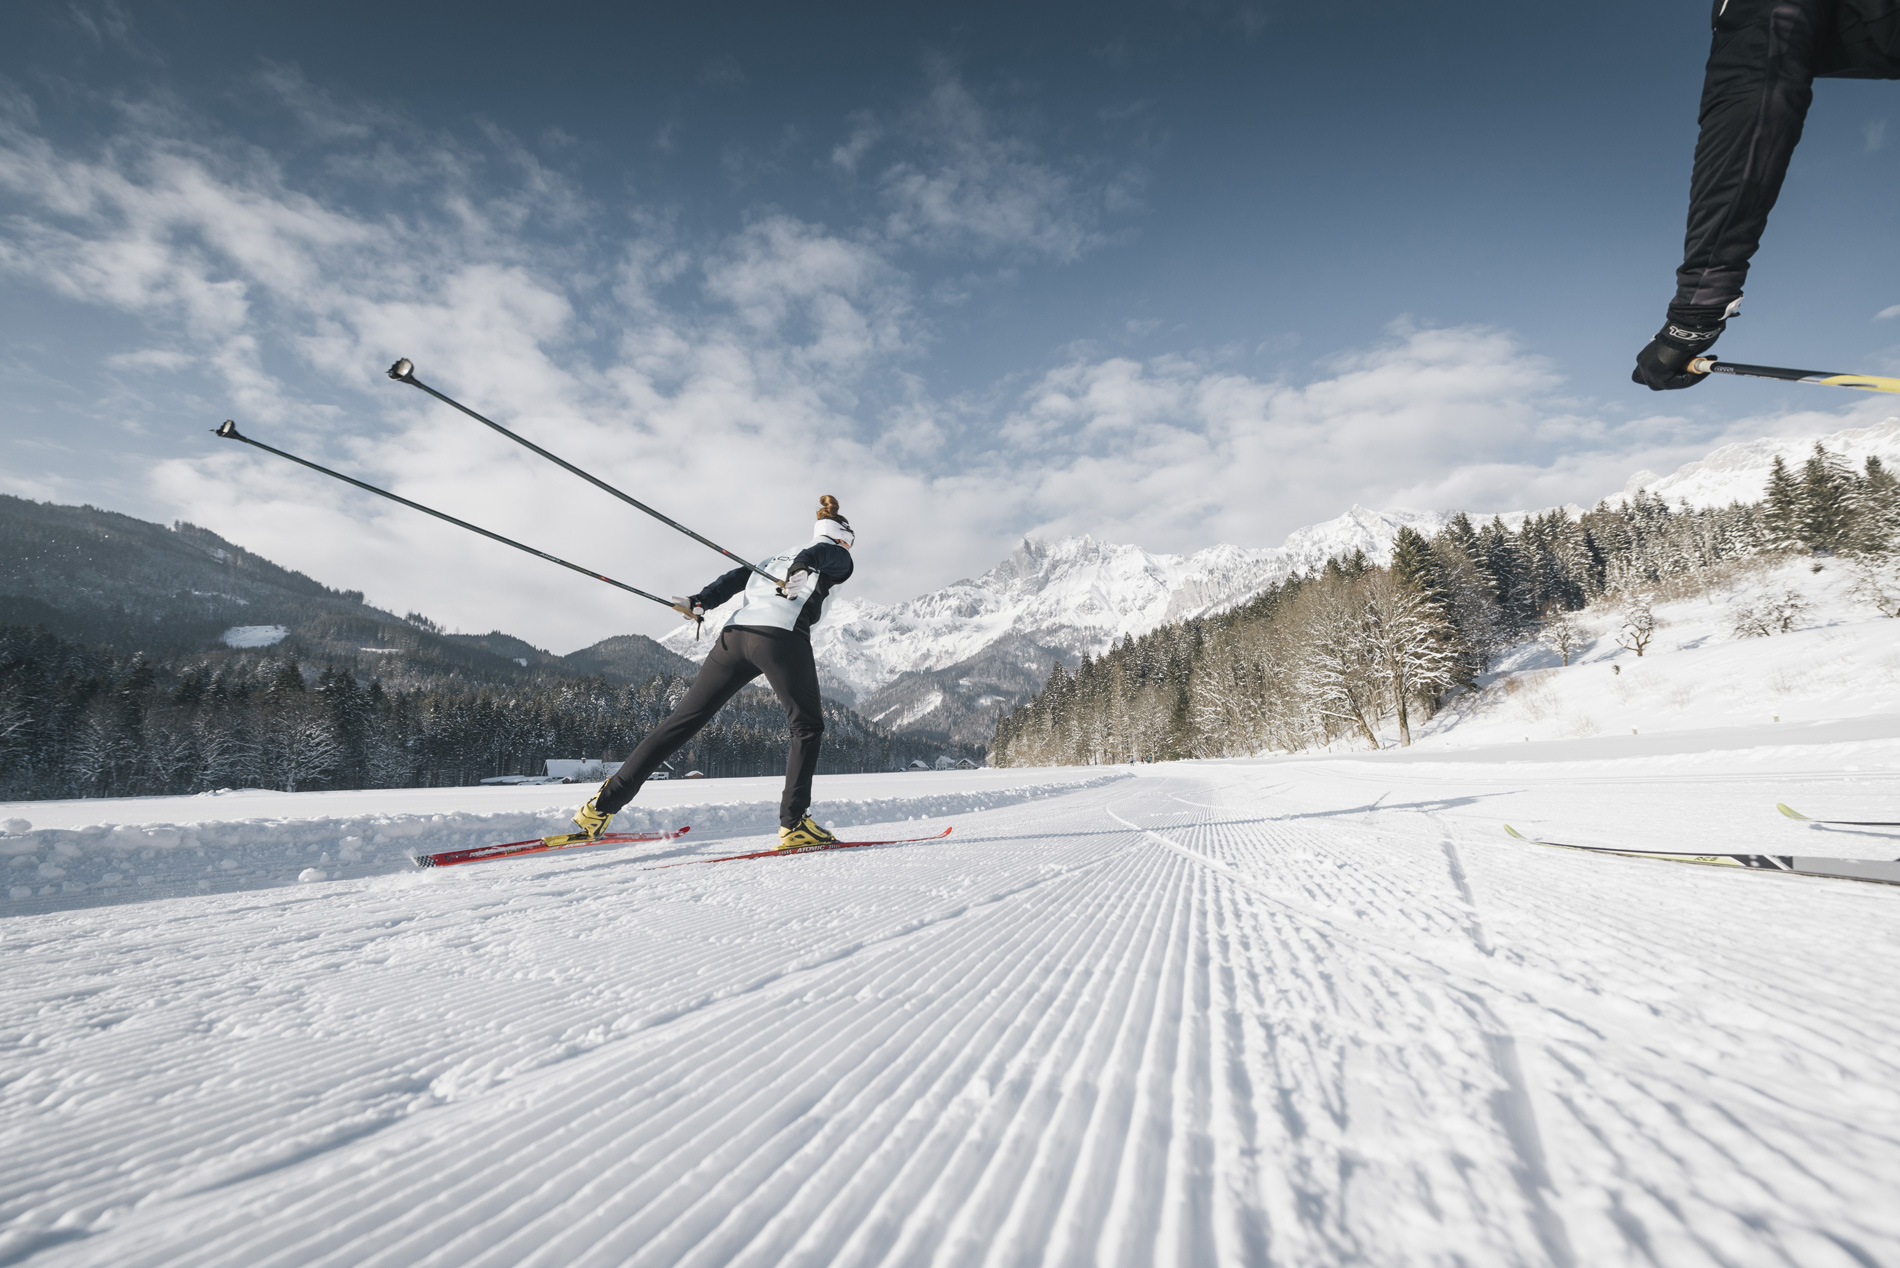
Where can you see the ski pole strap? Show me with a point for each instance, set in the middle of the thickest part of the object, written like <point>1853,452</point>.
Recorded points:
<point>404,371</point>
<point>1824,378</point>
<point>229,431</point>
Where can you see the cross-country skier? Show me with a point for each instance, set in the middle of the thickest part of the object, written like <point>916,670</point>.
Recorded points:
<point>770,634</point>
<point>1765,58</point>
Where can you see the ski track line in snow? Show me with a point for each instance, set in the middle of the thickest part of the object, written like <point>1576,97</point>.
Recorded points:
<point>1198,1019</point>
<point>111,863</point>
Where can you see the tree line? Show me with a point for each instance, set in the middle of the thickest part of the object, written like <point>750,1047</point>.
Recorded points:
<point>83,721</point>
<point>1340,652</point>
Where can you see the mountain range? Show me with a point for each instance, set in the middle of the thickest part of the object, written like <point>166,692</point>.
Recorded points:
<point>945,663</point>
<point>949,661</point>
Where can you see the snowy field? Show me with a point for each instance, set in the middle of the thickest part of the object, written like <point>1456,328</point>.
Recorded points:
<point>1294,1011</point>
<point>1841,662</point>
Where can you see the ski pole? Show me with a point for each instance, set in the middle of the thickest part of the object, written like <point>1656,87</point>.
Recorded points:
<point>1826,378</point>
<point>404,371</point>
<point>230,432</point>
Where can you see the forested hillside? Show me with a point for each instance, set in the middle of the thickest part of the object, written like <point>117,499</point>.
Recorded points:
<point>116,679</point>
<point>1336,653</point>
<point>100,578</point>
<point>79,722</point>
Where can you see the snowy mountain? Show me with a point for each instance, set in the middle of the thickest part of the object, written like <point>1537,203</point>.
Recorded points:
<point>949,659</point>
<point>1739,472</point>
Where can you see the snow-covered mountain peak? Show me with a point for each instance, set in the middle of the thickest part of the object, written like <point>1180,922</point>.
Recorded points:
<point>1070,596</point>
<point>1739,472</point>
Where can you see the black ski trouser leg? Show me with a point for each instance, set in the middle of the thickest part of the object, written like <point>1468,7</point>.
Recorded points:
<point>726,671</point>
<point>787,661</point>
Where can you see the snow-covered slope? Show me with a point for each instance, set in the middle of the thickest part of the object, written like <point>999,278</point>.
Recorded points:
<point>1739,472</point>
<point>1840,661</point>
<point>1306,1012</point>
<point>1076,595</point>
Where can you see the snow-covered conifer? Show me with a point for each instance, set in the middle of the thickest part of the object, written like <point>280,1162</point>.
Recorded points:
<point>1826,518</point>
<point>1781,508</point>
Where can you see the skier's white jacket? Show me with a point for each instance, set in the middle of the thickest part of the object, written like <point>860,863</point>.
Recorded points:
<point>764,606</point>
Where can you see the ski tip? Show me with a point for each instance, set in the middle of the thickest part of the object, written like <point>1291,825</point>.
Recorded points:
<point>1514,832</point>
<point>1791,812</point>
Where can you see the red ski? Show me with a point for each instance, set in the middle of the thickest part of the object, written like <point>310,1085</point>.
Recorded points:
<point>541,845</point>
<point>803,849</point>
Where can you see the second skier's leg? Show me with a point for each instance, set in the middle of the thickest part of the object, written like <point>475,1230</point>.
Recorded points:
<point>720,679</point>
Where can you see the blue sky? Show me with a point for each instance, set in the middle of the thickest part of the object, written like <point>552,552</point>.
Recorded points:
<point>1172,274</point>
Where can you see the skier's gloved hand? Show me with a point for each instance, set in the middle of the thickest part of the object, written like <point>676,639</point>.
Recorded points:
<point>800,584</point>
<point>1663,365</point>
<point>689,607</point>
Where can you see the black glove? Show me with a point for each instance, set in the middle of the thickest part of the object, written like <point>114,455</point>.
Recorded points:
<point>1663,366</point>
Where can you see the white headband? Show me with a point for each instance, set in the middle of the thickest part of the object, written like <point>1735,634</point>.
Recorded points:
<point>836,531</point>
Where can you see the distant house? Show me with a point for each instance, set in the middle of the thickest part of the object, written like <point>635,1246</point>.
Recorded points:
<point>573,770</point>
<point>919,764</point>
<point>964,763</point>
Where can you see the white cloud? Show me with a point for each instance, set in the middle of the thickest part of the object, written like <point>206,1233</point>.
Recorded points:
<point>1176,453</point>
<point>720,377</point>
<point>969,184</point>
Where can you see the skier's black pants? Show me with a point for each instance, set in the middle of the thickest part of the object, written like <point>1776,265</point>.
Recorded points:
<point>742,654</point>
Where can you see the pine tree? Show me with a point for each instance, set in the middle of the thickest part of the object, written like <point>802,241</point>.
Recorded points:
<point>1781,503</point>
<point>1876,509</point>
<point>1827,503</point>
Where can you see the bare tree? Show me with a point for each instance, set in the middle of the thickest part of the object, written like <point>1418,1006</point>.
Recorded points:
<point>1877,581</point>
<point>1408,641</point>
<point>1639,625</point>
<point>1339,680</point>
<point>1770,614</point>
<point>1561,635</point>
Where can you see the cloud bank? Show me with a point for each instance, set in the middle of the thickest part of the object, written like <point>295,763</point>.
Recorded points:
<point>726,375</point>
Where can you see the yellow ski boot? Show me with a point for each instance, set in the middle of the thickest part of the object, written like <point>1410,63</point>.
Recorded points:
<point>589,818</point>
<point>804,836</point>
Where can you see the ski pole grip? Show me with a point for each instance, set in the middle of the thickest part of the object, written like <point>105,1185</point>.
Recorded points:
<point>1702,365</point>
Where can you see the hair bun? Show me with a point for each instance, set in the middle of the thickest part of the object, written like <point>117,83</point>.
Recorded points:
<point>828,508</point>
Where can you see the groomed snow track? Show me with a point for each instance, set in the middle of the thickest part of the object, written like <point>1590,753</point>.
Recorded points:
<point>1214,1015</point>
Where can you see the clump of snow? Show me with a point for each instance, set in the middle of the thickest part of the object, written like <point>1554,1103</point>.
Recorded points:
<point>17,825</point>
<point>254,635</point>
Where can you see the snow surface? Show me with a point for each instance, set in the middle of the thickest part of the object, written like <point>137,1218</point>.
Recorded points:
<point>1309,1010</point>
<point>1841,664</point>
<point>256,636</point>
<point>1305,1011</point>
